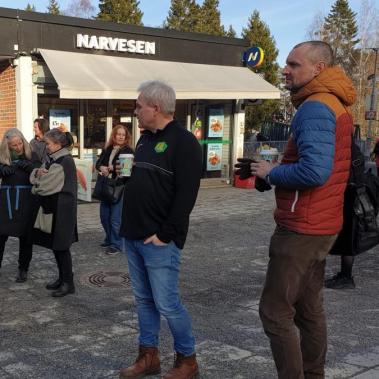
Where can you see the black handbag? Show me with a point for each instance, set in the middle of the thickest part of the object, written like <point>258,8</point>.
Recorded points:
<point>108,190</point>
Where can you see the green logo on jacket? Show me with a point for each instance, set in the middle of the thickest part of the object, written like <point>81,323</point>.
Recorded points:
<point>160,147</point>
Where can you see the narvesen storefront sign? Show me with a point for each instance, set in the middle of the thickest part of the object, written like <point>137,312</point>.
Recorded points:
<point>115,44</point>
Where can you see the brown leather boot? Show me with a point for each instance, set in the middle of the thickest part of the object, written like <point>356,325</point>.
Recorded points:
<point>184,368</point>
<point>147,363</point>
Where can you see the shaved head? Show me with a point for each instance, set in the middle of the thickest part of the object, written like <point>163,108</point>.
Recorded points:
<point>317,51</point>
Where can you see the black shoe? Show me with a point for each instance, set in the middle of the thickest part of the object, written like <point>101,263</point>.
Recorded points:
<point>105,244</point>
<point>64,289</point>
<point>340,282</point>
<point>112,251</point>
<point>22,276</point>
<point>54,285</point>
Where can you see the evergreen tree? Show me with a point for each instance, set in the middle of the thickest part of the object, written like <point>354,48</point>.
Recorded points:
<point>210,19</point>
<point>258,33</point>
<point>53,7</point>
<point>30,8</point>
<point>121,11</point>
<point>340,31</point>
<point>231,32</point>
<point>184,15</point>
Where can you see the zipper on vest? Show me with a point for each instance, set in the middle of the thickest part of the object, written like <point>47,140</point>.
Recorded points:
<point>295,201</point>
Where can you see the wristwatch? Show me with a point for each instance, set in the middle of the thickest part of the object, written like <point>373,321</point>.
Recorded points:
<point>267,179</point>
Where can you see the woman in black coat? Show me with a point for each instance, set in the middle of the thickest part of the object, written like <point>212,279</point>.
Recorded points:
<point>17,204</point>
<point>55,184</point>
<point>110,214</point>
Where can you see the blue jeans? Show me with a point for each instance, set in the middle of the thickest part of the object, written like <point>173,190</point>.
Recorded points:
<point>154,274</point>
<point>110,216</point>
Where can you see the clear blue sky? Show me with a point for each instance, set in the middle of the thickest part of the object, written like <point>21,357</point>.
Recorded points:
<point>288,20</point>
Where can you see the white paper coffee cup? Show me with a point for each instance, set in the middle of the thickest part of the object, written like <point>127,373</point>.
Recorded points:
<point>126,162</point>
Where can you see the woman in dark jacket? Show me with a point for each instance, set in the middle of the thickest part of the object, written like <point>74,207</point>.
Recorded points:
<point>17,204</point>
<point>55,228</point>
<point>110,214</point>
<point>38,145</point>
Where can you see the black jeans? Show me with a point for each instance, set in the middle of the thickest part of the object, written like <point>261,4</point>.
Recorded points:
<point>64,263</point>
<point>25,252</point>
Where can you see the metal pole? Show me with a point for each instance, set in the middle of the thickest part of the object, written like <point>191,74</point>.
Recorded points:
<point>373,98</point>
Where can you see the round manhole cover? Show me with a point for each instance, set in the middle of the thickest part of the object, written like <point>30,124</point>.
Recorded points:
<point>107,279</point>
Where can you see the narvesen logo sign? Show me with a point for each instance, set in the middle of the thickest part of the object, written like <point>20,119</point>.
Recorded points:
<point>115,44</point>
<point>253,56</point>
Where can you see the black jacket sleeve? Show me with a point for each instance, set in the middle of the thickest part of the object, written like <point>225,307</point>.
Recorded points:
<point>187,171</point>
<point>100,161</point>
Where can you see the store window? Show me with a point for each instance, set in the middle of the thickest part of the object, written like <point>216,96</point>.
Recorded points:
<point>60,113</point>
<point>95,121</point>
<point>123,113</point>
<point>181,112</point>
<point>211,125</point>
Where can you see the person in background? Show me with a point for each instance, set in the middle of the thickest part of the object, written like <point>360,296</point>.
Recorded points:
<point>158,200</point>
<point>17,204</point>
<point>55,184</point>
<point>310,184</point>
<point>110,214</point>
<point>375,153</point>
<point>38,145</point>
<point>343,279</point>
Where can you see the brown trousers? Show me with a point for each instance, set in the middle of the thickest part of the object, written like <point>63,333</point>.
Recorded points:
<point>291,306</point>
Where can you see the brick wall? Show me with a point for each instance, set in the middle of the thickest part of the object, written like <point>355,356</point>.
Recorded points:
<point>7,97</point>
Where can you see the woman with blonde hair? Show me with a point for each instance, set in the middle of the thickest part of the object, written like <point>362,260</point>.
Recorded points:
<point>110,214</point>
<point>17,204</point>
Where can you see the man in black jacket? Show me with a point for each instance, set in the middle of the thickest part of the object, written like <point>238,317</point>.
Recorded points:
<point>158,200</point>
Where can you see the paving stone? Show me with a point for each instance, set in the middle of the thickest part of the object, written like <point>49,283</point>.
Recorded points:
<point>342,371</point>
<point>366,359</point>
<point>370,374</point>
<point>94,333</point>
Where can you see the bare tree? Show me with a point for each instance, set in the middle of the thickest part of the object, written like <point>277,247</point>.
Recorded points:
<point>362,56</point>
<point>368,23</point>
<point>80,8</point>
<point>314,29</point>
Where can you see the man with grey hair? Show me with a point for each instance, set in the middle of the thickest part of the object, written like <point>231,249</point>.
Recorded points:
<point>310,184</point>
<point>158,200</point>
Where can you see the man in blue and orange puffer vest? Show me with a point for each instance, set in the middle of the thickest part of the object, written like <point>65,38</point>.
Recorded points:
<point>310,184</point>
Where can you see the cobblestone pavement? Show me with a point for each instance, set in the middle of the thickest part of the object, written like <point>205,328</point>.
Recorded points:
<point>93,333</point>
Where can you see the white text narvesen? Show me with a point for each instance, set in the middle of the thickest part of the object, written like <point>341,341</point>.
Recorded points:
<point>115,44</point>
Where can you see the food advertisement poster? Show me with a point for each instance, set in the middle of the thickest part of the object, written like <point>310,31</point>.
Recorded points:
<point>214,156</point>
<point>216,122</point>
<point>60,118</point>
<point>84,176</point>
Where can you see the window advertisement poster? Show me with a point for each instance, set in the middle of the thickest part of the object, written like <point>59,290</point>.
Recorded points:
<point>84,169</point>
<point>214,156</point>
<point>92,157</point>
<point>216,122</point>
<point>60,118</point>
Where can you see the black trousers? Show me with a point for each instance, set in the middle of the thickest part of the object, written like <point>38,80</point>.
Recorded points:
<point>64,264</point>
<point>24,255</point>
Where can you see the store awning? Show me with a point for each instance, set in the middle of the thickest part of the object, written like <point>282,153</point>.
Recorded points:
<point>89,76</point>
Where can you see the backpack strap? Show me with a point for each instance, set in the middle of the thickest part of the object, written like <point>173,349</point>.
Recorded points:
<point>357,167</point>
